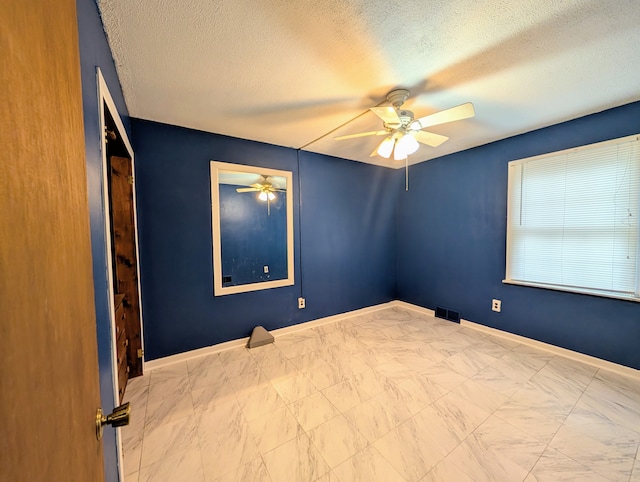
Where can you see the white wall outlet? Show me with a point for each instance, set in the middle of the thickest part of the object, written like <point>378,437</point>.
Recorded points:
<point>301,303</point>
<point>496,305</point>
<point>266,269</point>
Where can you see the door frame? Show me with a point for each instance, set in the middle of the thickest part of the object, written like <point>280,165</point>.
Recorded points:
<point>104,97</point>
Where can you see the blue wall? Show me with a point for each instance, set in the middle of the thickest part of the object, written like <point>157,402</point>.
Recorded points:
<point>344,240</point>
<point>95,52</point>
<point>348,234</point>
<point>444,247</point>
<point>253,235</point>
<point>452,245</point>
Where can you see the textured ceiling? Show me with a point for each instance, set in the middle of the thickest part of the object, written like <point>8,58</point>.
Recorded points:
<point>235,178</point>
<point>290,72</point>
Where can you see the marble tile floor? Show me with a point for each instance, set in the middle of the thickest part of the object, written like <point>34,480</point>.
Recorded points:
<point>388,396</point>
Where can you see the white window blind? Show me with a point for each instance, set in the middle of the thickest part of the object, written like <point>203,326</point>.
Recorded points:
<point>572,220</point>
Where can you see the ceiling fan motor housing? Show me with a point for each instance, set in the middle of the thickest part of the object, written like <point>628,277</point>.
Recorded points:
<point>397,97</point>
<point>406,118</point>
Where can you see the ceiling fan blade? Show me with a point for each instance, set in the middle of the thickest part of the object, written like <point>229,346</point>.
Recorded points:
<point>362,134</point>
<point>460,112</point>
<point>272,188</point>
<point>247,189</point>
<point>429,138</point>
<point>388,114</point>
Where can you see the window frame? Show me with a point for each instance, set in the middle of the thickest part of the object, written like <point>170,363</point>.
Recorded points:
<point>570,289</point>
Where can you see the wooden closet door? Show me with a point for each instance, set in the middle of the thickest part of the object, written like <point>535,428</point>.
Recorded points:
<point>125,262</point>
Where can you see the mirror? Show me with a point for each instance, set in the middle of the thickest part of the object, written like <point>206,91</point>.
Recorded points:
<point>252,214</point>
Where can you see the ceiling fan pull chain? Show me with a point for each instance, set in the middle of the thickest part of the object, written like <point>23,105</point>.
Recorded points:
<point>406,173</point>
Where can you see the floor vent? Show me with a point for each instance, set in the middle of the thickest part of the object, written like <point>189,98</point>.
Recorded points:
<point>447,314</point>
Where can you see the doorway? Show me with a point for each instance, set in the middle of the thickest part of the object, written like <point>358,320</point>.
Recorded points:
<point>124,268</point>
<point>122,246</point>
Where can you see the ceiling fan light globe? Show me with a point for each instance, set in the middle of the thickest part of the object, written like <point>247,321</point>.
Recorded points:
<point>409,144</point>
<point>406,145</point>
<point>399,155</point>
<point>385,147</point>
<point>263,196</point>
<point>271,196</point>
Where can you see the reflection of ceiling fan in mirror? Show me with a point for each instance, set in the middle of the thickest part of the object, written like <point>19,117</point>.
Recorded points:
<point>404,132</point>
<point>266,190</point>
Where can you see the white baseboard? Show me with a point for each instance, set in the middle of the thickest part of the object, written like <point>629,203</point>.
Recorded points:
<point>556,350</point>
<point>331,319</point>
<point>228,345</point>
<point>409,306</point>
<point>193,354</point>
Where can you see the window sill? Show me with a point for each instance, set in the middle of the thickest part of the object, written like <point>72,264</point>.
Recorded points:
<point>581,291</point>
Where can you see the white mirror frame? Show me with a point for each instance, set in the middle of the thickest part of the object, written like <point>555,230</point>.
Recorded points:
<point>218,289</point>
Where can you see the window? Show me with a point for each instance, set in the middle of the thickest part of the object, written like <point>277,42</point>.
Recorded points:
<point>572,220</point>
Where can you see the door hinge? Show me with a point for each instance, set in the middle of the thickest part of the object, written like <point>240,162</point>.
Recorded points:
<point>109,135</point>
<point>140,352</point>
<point>130,179</point>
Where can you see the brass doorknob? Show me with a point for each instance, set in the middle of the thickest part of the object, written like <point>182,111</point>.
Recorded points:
<point>118,418</point>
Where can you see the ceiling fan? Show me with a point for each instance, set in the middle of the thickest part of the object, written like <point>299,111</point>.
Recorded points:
<point>266,190</point>
<point>264,187</point>
<point>403,131</point>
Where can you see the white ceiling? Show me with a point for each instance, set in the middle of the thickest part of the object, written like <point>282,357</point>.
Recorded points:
<point>289,72</point>
<point>236,178</point>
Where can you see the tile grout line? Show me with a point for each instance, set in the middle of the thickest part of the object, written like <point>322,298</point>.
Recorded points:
<point>635,464</point>
<point>196,421</point>
<point>446,391</point>
<point>505,421</point>
<point>560,427</point>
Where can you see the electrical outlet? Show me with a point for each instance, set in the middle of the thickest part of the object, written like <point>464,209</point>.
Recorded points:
<point>496,305</point>
<point>266,269</point>
<point>301,303</point>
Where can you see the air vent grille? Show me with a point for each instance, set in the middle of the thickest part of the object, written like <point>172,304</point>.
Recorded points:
<point>447,314</point>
